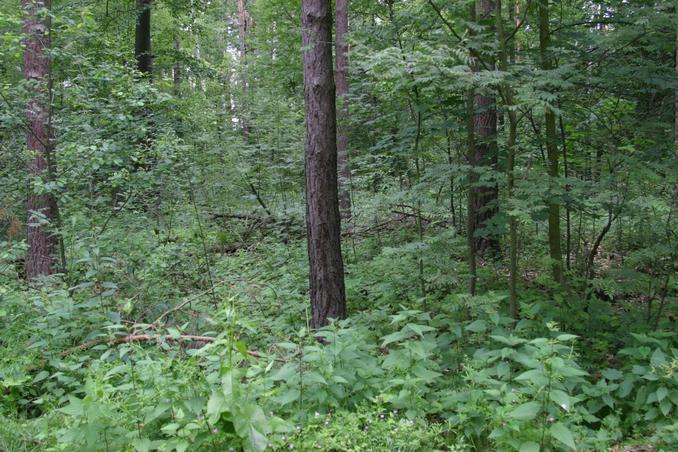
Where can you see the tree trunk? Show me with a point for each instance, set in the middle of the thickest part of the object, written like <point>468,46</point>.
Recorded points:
<point>243,27</point>
<point>342,112</point>
<point>42,207</point>
<point>142,42</point>
<point>551,149</point>
<point>485,152</point>
<point>322,199</point>
<point>471,202</point>
<point>504,55</point>
<point>176,69</point>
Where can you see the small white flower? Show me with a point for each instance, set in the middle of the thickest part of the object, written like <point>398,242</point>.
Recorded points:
<point>550,419</point>
<point>317,414</point>
<point>291,446</point>
<point>381,416</point>
<point>565,407</point>
<point>215,430</point>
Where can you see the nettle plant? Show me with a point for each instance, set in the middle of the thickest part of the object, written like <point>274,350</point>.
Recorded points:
<point>648,390</point>
<point>521,394</point>
<point>339,372</point>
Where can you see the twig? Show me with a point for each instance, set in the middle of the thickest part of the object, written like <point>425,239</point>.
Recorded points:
<point>187,301</point>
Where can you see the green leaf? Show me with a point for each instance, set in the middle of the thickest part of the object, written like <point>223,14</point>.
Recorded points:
<point>142,445</point>
<point>396,337</point>
<point>215,406</point>
<point>509,340</point>
<point>420,329</point>
<point>285,372</point>
<point>41,376</point>
<point>288,397</point>
<point>313,377</point>
<point>526,411</point>
<point>612,374</point>
<point>658,358</point>
<point>242,348</point>
<point>665,407</point>
<point>534,376</point>
<point>251,423</point>
<point>662,392</point>
<point>74,408</point>
<point>174,333</point>
<point>477,327</point>
<point>561,399</point>
<point>529,446</point>
<point>563,434</point>
<point>566,337</point>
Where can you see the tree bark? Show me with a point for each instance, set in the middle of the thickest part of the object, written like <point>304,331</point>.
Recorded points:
<point>555,251</point>
<point>42,207</point>
<point>322,200</point>
<point>142,41</point>
<point>485,152</point>
<point>342,111</point>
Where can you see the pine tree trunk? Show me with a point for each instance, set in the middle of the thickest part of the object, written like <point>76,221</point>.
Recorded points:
<point>142,41</point>
<point>342,112</point>
<point>555,251</point>
<point>485,152</point>
<point>322,203</point>
<point>42,207</point>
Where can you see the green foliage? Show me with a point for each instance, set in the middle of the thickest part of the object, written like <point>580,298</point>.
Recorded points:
<point>182,225</point>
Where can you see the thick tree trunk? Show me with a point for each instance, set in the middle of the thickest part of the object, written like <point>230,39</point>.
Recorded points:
<point>485,153</point>
<point>555,251</point>
<point>142,41</point>
<point>342,111</point>
<point>322,203</point>
<point>42,207</point>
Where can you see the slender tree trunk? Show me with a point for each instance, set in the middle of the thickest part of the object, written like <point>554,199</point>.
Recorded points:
<point>142,41</point>
<point>322,199</point>
<point>504,55</point>
<point>551,149</point>
<point>176,69</point>
<point>342,111</point>
<point>568,220</point>
<point>450,162</point>
<point>42,207</point>
<point>485,131</point>
<point>244,21</point>
<point>471,202</point>
<point>472,179</point>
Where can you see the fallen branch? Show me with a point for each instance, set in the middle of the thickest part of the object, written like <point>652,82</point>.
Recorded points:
<point>240,216</point>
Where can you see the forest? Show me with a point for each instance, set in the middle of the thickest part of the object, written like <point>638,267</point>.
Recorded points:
<point>340,225</point>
